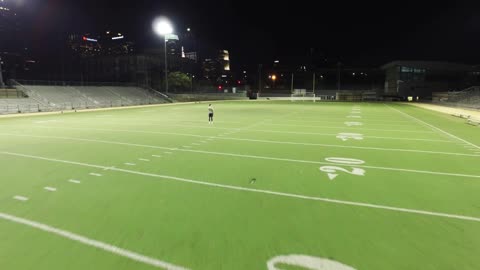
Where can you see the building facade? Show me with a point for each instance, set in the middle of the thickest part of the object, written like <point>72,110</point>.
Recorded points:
<point>422,78</point>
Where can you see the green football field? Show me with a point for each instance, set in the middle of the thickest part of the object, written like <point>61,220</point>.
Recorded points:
<point>270,185</point>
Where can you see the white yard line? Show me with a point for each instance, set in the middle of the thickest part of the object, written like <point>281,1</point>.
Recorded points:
<point>264,158</point>
<point>340,119</point>
<point>157,156</point>
<point>277,142</point>
<point>98,175</point>
<point>51,189</point>
<point>74,181</point>
<point>144,159</point>
<point>435,128</point>
<point>253,130</point>
<point>21,198</point>
<point>356,128</point>
<point>130,164</point>
<point>287,125</point>
<point>261,191</point>
<point>91,242</point>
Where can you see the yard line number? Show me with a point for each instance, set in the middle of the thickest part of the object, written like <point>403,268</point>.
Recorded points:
<point>350,136</point>
<point>334,171</point>
<point>306,262</point>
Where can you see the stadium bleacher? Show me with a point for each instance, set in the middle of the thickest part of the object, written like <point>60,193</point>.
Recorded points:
<point>35,98</point>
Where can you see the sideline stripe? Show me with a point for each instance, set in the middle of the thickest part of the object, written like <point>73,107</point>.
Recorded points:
<point>274,142</point>
<point>268,158</point>
<point>93,243</point>
<point>434,127</point>
<point>269,192</point>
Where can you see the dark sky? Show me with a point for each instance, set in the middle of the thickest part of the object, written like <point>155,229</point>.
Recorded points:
<point>359,33</point>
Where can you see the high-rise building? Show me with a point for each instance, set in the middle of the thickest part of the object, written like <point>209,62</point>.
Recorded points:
<point>217,68</point>
<point>108,43</point>
<point>12,50</point>
<point>9,28</point>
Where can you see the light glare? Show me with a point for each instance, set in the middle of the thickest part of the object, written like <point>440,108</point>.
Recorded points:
<point>162,27</point>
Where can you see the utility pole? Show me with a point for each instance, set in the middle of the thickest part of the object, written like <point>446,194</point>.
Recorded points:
<point>1,75</point>
<point>292,82</point>
<point>313,83</point>
<point>166,65</point>
<point>259,79</point>
<point>339,80</point>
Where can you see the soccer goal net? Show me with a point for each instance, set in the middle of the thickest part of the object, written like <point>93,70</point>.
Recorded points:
<point>303,95</point>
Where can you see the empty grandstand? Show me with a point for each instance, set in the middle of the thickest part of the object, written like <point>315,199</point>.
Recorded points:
<point>468,98</point>
<point>54,96</point>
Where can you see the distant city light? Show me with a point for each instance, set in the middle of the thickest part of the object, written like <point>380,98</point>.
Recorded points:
<point>188,29</point>
<point>162,26</point>
<point>274,77</point>
<point>108,32</point>
<point>89,39</point>
<point>277,61</point>
<point>115,38</point>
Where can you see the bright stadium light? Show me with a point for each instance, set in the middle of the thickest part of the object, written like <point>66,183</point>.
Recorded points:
<point>163,27</point>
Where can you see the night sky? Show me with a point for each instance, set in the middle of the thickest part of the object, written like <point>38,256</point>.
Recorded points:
<point>358,34</point>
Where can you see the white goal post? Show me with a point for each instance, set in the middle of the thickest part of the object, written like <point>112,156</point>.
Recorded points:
<point>302,95</point>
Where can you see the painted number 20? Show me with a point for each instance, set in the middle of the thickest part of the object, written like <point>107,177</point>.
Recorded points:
<point>334,171</point>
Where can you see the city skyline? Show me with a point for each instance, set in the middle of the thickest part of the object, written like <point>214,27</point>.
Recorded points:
<point>368,34</point>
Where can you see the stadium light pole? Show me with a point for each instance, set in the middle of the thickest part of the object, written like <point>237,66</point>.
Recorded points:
<point>163,27</point>
<point>1,75</point>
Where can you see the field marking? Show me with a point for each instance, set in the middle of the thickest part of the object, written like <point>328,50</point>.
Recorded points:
<point>144,159</point>
<point>51,189</point>
<point>157,156</point>
<point>97,174</point>
<point>91,242</point>
<point>287,125</point>
<point>355,127</point>
<point>306,262</point>
<point>252,130</point>
<point>74,181</point>
<point>196,144</point>
<point>339,119</point>
<point>265,158</point>
<point>262,191</point>
<point>20,198</point>
<point>324,127</point>
<point>278,142</point>
<point>130,164</point>
<point>435,128</point>
<point>46,121</point>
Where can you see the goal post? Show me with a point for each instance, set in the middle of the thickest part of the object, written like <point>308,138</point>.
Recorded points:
<point>302,95</point>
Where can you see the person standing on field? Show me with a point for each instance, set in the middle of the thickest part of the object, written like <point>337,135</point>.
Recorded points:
<point>210,114</point>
